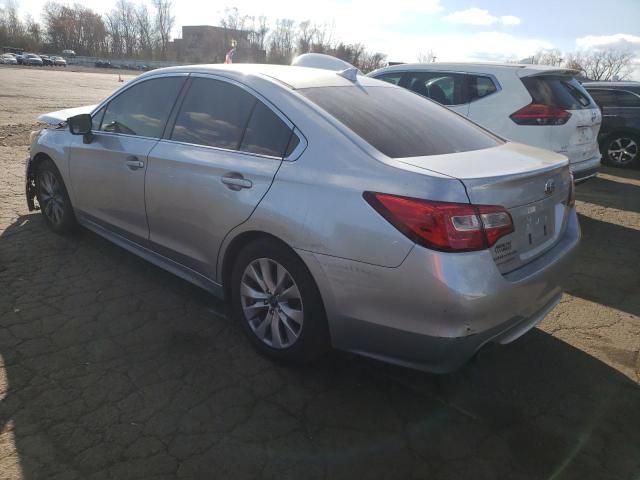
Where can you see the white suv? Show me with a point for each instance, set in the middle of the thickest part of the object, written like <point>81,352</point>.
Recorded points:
<point>538,105</point>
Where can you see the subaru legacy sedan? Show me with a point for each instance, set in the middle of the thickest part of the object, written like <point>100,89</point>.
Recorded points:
<point>328,208</point>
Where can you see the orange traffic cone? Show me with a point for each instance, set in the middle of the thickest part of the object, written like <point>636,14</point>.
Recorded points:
<point>120,78</point>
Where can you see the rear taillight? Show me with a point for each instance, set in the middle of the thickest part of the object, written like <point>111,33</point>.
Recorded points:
<point>448,227</point>
<point>539,114</point>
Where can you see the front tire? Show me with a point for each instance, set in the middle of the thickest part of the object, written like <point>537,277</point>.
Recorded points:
<point>277,303</point>
<point>53,198</point>
<point>621,150</point>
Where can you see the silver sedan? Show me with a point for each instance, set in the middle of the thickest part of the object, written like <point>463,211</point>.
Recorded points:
<point>329,208</point>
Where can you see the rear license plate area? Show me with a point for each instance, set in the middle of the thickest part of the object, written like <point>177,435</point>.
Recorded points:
<point>539,225</point>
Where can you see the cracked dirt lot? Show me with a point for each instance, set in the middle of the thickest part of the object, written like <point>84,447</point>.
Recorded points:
<point>113,369</point>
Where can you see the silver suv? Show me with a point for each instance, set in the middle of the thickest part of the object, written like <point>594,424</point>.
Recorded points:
<point>328,208</point>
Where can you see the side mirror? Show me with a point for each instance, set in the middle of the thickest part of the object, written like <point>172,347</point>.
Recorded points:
<point>81,125</point>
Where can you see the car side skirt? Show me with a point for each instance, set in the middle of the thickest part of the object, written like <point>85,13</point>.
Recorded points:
<point>153,257</point>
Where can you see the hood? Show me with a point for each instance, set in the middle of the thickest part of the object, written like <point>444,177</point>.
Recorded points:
<point>56,118</point>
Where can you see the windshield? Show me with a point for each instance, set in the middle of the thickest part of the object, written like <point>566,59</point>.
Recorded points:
<point>400,123</point>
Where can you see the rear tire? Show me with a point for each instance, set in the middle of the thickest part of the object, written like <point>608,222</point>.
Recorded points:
<point>277,303</point>
<point>621,150</point>
<point>53,199</point>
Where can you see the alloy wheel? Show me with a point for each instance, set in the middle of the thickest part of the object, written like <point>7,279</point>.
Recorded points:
<point>622,151</point>
<point>51,197</point>
<point>272,303</point>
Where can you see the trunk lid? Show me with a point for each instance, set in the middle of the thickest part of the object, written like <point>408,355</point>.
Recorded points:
<point>531,183</point>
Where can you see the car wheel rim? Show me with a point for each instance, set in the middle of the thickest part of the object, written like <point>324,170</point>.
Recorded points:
<point>622,151</point>
<point>272,303</point>
<point>51,197</point>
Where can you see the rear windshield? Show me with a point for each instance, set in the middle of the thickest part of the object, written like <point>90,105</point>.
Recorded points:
<point>558,91</point>
<point>400,123</point>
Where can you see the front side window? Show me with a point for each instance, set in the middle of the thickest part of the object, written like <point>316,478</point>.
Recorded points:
<point>214,113</point>
<point>96,120</point>
<point>143,109</point>
<point>444,88</point>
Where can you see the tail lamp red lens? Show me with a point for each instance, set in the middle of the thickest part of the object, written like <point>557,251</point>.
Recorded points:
<point>540,115</point>
<point>448,227</point>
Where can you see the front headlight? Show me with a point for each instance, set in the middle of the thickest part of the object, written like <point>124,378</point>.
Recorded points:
<point>33,136</point>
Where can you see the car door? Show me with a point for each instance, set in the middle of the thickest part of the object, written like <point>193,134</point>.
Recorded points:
<point>446,88</point>
<point>108,174</point>
<point>212,169</point>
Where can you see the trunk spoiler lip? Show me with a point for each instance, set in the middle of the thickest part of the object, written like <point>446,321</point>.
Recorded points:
<point>60,117</point>
<point>542,72</point>
<point>555,161</point>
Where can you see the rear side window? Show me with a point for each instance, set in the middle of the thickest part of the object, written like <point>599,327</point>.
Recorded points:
<point>399,123</point>
<point>604,98</point>
<point>444,88</point>
<point>266,133</point>
<point>142,109</point>
<point>480,86</point>
<point>214,113</point>
<point>557,91</point>
<point>626,99</point>
<point>393,78</point>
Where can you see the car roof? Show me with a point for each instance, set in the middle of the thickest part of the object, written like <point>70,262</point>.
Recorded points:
<point>522,69</point>
<point>291,77</point>
<point>611,84</point>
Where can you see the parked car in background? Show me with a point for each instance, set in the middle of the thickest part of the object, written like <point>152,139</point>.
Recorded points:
<point>8,59</point>
<point>328,207</point>
<point>103,64</point>
<point>537,105</point>
<point>46,61</point>
<point>31,59</point>
<point>59,61</point>
<point>620,132</point>
<point>69,53</point>
<point>20,58</point>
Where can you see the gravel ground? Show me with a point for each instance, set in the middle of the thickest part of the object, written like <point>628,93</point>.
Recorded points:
<point>113,369</point>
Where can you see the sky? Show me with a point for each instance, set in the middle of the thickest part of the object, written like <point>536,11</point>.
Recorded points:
<point>455,30</point>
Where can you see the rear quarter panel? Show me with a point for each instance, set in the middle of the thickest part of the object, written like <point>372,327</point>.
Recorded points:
<point>315,203</point>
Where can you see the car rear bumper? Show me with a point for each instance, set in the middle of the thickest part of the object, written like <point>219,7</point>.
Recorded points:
<point>585,169</point>
<point>436,310</point>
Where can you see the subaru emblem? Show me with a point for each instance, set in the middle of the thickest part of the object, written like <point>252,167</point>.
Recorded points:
<point>549,187</point>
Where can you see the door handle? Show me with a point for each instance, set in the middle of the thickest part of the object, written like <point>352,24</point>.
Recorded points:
<point>134,163</point>
<point>235,181</point>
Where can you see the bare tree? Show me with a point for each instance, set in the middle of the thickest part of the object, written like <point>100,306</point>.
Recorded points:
<point>164,21</point>
<point>552,57</point>
<point>78,28</point>
<point>146,32</point>
<point>281,42</point>
<point>602,65</point>
<point>372,61</point>
<point>258,33</point>
<point>428,57</point>
<point>306,34</point>
<point>233,20</point>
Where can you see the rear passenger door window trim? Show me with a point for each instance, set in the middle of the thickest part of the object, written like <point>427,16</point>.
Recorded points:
<point>404,81</point>
<point>212,76</point>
